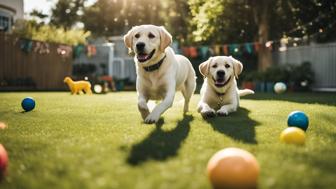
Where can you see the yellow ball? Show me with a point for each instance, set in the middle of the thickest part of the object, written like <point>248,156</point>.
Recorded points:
<point>293,135</point>
<point>233,168</point>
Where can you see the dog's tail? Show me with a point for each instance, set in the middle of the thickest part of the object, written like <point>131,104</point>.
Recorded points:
<point>245,92</point>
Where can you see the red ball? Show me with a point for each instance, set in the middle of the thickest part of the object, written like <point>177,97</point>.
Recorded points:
<point>3,160</point>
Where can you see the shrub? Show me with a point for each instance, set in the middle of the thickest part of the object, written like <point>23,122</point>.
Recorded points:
<point>302,76</point>
<point>47,33</point>
<point>299,77</point>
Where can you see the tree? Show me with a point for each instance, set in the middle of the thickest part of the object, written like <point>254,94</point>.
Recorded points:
<point>221,21</point>
<point>176,15</point>
<point>36,14</point>
<point>314,19</point>
<point>262,11</point>
<point>67,12</point>
<point>107,17</point>
<point>229,21</point>
<point>48,33</point>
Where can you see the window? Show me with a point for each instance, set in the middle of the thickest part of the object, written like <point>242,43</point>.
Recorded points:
<point>4,23</point>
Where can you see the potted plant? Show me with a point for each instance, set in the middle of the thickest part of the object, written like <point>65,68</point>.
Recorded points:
<point>259,78</point>
<point>302,77</point>
<point>247,81</point>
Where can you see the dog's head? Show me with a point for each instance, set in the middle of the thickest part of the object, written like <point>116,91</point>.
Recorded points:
<point>67,79</point>
<point>147,42</point>
<point>220,70</point>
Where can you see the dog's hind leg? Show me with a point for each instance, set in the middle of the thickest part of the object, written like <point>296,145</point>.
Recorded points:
<point>87,90</point>
<point>188,90</point>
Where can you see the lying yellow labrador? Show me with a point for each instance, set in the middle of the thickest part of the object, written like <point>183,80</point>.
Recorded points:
<point>160,72</point>
<point>78,86</point>
<point>219,92</point>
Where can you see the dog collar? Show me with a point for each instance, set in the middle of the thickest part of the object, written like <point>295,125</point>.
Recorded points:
<point>220,94</point>
<point>154,66</point>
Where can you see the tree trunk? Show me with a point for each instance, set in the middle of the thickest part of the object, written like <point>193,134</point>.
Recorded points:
<point>261,16</point>
<point>264,54</point>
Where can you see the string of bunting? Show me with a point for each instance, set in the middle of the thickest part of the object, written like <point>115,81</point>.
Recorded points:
<point>239,49</point>
<point>225,49</point>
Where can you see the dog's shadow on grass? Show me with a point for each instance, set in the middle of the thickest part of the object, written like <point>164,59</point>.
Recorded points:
<point>237,125</point>
<point>160,144</point>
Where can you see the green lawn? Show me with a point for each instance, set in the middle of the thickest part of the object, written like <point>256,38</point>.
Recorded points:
<point>99,141</point>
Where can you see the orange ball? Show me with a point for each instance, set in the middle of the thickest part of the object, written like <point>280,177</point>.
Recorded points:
<point>233,168</point>
<point>2,125</point>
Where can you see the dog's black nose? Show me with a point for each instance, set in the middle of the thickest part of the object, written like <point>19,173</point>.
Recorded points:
<point>220,74</point>
<point>140,46</point>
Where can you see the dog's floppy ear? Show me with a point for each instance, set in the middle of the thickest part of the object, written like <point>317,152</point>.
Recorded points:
<point>165,37</point>
<point>128,40</point>
<point>204,67</point>
<point>237,67</point>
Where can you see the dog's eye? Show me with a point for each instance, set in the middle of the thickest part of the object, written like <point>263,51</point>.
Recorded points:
<point>214,66</point>
<point>227,66</point>
<point>150,35</point>
<point>137,35</point>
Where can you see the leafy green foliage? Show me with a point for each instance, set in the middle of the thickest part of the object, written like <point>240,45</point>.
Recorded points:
<point>38,14</point>
<point>66,13</point>
<point>205,18</point>
<point>49,33</point>
<point>238,20</point>
<point>176,16</point>
<point>110,18</point>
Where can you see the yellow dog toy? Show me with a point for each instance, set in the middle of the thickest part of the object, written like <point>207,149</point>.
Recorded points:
<point>78,86</point>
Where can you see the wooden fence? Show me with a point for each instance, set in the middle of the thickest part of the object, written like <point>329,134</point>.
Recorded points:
<point>32,65</point>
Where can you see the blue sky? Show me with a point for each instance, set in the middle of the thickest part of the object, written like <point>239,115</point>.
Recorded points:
<point>44,5</point>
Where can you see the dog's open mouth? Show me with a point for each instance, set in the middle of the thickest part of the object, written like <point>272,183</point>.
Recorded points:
<point>143,57</point>
<point>221,82</point>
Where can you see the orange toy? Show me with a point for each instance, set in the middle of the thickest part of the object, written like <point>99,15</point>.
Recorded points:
<point>77,86</point>
<point>233,168</point>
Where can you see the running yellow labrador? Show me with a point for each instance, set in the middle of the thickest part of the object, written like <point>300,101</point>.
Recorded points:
<point>160,72</point>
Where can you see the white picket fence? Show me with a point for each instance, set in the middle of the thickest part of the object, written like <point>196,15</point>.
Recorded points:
<point>322,58</point>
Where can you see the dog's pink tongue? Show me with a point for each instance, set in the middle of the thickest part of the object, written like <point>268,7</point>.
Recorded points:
<point>142,56</point>
<point>219,82</point>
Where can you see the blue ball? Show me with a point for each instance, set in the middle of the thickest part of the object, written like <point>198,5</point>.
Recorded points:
<point>298,119</point>
<point>28,104</point>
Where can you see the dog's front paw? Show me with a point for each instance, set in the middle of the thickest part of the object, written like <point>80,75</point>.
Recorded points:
<point>152,118</point>
<point>222,112</point>
<point>143,111</point>
<point>208,114</point>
